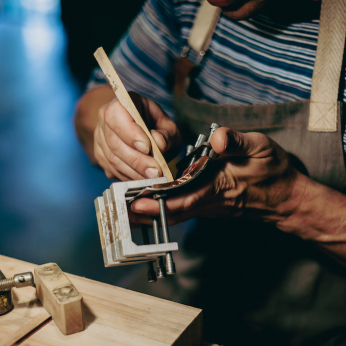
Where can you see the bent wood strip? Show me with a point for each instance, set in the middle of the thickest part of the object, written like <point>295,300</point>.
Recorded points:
<point>127,103</point>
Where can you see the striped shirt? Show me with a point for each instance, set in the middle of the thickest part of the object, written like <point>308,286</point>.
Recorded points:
<point>253,61</point>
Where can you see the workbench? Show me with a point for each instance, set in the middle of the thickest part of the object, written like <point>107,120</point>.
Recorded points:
<point>112,316</point>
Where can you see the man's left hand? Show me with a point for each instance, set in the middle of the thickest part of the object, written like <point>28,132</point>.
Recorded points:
<point>256,177</point>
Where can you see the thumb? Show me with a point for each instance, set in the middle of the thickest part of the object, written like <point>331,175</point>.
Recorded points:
<point>227,142</point>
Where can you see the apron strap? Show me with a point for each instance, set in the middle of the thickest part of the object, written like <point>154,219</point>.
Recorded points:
<point>203,27</point>
<point>328,63</point>
<point>198,42</point>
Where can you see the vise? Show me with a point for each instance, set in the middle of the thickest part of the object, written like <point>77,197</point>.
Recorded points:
<point>117,243</point>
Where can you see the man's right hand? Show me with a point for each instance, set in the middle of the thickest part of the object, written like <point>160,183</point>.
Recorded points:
<point>123,149</point>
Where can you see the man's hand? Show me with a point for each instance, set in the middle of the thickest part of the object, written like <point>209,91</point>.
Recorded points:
<point>255,176</point>
<point>122,148</point>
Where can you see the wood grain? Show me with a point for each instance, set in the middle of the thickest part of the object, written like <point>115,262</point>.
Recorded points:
<point>28,328</point>
<point>127,103</point>
<point>113,316</point>
<point>59,297</point>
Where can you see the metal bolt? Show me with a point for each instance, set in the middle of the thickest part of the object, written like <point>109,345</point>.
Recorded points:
<point>19,280</point>
<point>151,272</point>
<point>189,149</point>
<point>170,266</point>
<point>201,138</point>
<point>213,127</point>
<point>160,272</point>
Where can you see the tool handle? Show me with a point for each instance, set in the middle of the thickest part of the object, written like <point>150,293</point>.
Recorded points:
<point>125,100</point>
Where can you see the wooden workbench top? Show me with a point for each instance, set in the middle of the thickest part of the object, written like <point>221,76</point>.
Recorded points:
<point>112,315</point>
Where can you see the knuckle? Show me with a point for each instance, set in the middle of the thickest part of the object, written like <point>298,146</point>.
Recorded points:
<point>108,115</point>
<point>136,162</point>
<point>112,141</point>
<point>185,205</point>
<point>137,176</point>
<point>261,139</point>
<point>109,174</point>
<point>101,113</point>
<point>113,159</point>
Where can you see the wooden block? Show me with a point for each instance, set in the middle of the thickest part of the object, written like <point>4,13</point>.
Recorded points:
<point>59,297</point>
<point>125,100</point>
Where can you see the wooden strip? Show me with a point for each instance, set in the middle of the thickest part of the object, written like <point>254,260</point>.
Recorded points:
<point>27,329</point>
<point>125,100</point>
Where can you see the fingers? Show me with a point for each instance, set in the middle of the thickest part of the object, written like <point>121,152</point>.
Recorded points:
<point>172,218</point>
<point>163,129</point>
<point>120,122</point>
<point>178,209</point>
<point>114,168</point>
<point>166,133</point>
<point>227,142</point>
<point>121,146</point>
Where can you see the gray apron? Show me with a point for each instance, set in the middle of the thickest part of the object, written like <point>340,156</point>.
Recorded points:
<point>256,284</point>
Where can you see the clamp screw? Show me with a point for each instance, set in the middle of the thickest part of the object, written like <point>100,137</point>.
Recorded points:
<point>19,280</point>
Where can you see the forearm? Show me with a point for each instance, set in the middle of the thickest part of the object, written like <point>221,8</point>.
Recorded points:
<point>320,217</point>
<point>86,116</point>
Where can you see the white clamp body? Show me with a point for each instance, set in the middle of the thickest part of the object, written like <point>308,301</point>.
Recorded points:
<point>114,226</point>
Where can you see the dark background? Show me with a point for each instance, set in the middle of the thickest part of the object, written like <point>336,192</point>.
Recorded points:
<point>90,24</point>
<point>47,185</point>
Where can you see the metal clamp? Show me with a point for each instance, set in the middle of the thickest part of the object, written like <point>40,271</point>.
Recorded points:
<point>112,215</point>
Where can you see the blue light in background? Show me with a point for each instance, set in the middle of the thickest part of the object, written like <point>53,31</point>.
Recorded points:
<point>47,185</point>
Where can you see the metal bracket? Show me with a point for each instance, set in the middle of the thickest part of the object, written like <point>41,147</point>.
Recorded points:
<point>114,226</point>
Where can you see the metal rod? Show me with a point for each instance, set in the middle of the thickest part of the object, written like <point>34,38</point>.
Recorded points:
<point>150,265</point>
<point>170,266</point>
<point>160,271</point>
<point>201,138</point>
<point>156,230</point>
<point>163,220</point>
<point>213,127</point>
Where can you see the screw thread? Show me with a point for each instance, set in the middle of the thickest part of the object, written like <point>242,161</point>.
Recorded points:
<point>7,284</point>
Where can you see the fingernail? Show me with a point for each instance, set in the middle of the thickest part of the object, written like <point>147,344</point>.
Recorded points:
<point>152,173</point>
<point>142,147</point>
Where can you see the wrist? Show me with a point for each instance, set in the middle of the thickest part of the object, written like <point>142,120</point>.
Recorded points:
<point>290,211</point>
<point>86,116</point>
<point>318,212</point>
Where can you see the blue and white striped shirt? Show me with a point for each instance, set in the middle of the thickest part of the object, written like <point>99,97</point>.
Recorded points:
<point>253,61</point>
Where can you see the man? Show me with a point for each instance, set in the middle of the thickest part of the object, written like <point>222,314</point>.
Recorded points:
<point>258,285</point>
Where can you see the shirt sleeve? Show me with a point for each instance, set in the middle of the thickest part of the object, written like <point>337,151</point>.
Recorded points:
<point>145,57</point>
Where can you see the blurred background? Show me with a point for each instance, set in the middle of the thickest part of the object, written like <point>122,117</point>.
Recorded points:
<point>47,185</point>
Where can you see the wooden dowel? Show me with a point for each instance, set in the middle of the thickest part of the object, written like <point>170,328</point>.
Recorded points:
<point>126,101</point>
